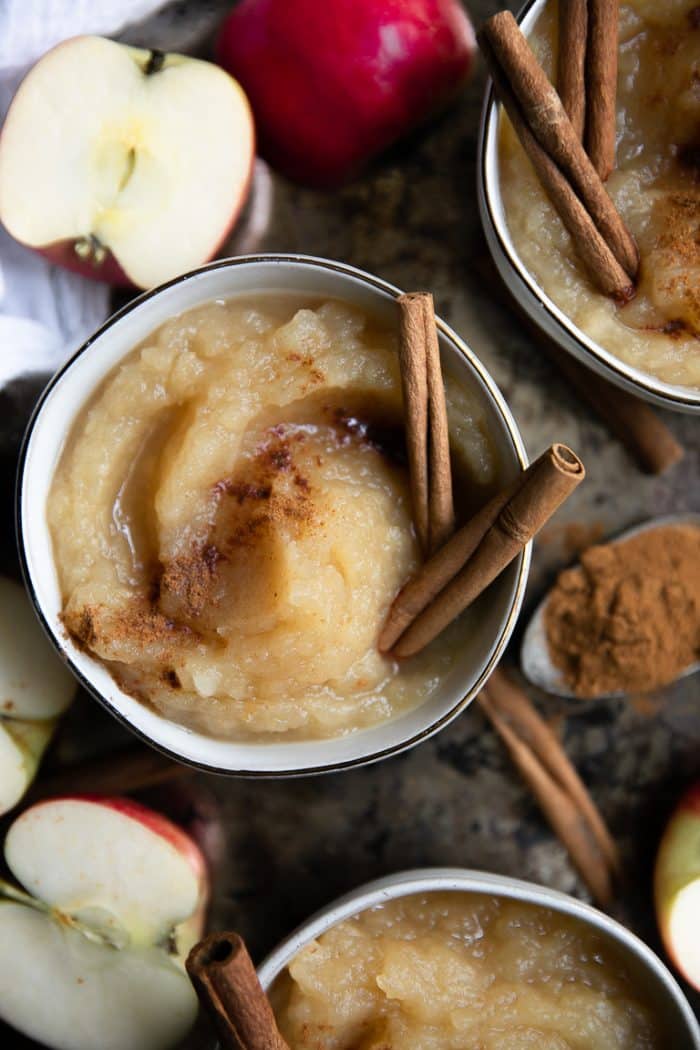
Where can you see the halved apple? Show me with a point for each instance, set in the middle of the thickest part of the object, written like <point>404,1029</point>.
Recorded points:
<point>125,164</point>
<point>677,886</point>
<point>90,959</point>
<point>35,689</point>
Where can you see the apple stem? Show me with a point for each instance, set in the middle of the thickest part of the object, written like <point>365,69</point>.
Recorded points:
<point>155,62</point>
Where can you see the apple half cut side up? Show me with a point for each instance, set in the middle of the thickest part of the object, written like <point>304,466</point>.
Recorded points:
<point>71,993</point>
<point>677,887</point>
<point>125,163</point>
<point>35,689</point>
<point>110,863</point>
<point>88,955</point>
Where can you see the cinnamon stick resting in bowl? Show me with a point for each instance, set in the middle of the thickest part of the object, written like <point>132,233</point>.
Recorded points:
<point>604,243</point>
<point>225,980</point>
<point>454,577</point>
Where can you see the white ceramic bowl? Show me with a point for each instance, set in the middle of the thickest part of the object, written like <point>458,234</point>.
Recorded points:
<point>524,286</point>
<point>63,400</point>
<point>655,984</point>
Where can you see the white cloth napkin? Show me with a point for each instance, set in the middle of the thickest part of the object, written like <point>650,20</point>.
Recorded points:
<point>46,312</point>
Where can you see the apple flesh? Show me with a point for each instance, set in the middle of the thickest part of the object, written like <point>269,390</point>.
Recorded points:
<point>332,84</point>
<point>677,886</point>
<point>125,164</point>
<point>87,960</point>
<point>35,689</point>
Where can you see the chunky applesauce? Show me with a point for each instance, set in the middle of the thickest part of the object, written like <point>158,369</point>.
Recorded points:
<point>656,188</point>
<point>231,520</point>
<point>451,971</point>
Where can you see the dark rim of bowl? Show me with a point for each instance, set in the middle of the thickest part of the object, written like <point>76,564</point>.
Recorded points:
<point>489,114</point>
<point>352,763</point>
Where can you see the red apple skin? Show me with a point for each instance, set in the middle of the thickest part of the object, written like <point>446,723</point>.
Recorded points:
<point>332,84</point>
<point>63,254</point>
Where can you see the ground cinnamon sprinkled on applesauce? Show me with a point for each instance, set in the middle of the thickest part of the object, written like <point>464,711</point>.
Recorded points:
<point>628,618</point>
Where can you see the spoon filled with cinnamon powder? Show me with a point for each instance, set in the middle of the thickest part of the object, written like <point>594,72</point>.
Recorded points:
<point>625,619</point>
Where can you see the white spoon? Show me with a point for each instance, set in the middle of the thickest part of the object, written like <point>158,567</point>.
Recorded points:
<point>535,661</point>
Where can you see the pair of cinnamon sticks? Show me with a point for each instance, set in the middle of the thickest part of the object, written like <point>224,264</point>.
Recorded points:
<point>427,435</point>
<point>546,769</point>
<point>587,75</point>
<point>568,175</point>
<point>475,555</point>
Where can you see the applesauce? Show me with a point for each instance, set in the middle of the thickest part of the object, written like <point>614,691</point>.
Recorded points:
<point>231,520</point>
<point>451,971</point>
<point>655,186</point>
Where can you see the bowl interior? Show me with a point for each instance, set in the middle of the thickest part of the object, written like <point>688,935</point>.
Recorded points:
<point>654,983</point>
<point>524,285</point>
<point>68,393</point>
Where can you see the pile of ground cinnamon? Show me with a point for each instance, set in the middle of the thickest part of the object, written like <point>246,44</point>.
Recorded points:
<point>628,618</point>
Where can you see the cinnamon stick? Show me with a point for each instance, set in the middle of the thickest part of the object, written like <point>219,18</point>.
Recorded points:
<point>436,573</point>
<point>634,422</point>
<point>571,61</point>
<point>547,120</point>
<point>516,709</point>
<point>557,474</point>
<point>601,84</point>
<point>558,807</point>
<point>601,264</point>
<point>441,514</point>
<point>414,384</point>
<point>225,980</point>
<point>120,772</point>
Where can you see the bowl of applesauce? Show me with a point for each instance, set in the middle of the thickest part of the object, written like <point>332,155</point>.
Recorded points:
<point>649,346</point>
<point>214,517</point>
<point>451,958</point>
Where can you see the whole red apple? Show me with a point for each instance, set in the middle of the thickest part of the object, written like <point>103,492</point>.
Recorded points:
<point>332,83</point>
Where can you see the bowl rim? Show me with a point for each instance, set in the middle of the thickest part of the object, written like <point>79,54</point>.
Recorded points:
<point>469,880</point>
<point>511,431</point>
<point>536,300</point>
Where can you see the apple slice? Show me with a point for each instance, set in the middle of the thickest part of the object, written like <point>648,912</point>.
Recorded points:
<point>122,163</point>
<point>677,886</point>
<point>21,747</point>
<point>34,683</point>
<point>110,863</point>
<point>72,993</point>
<point>35,688</point>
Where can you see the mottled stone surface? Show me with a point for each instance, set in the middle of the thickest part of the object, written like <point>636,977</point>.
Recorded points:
<point>293,846</point>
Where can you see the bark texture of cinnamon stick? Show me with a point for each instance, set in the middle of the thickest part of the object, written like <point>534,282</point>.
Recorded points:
<point>601,84</point>
<point>225,980</point>
<point>515,707</point>
<point>556,475</point>
<point>558,807</point>
<point>547,120</point>
<point>602,266</point>
<point>414,384</point>
<point>441,514</point>
<point>436,573</point>
<point>427,435</point>
<point>571,61</point>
